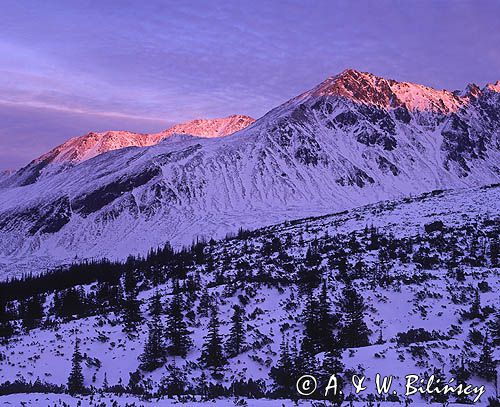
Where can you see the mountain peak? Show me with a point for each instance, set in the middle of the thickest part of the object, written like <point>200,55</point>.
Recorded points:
<point>369,89</point>
<point>359,86</point>
<point>495,87</point>
<point>84,147</point>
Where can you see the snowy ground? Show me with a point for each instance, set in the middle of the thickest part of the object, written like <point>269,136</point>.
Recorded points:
<point>47,353</point>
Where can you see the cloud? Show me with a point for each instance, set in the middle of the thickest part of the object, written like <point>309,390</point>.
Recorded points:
<point>177,61</point>
<point>27,132</point>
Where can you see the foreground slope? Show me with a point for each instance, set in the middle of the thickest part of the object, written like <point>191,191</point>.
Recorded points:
<point>426,268</point>
<point>354,139</point>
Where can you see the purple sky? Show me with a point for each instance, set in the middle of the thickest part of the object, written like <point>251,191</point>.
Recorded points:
<point>68,67</point>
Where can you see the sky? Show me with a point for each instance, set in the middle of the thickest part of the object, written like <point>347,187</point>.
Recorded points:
<point>70,67</point>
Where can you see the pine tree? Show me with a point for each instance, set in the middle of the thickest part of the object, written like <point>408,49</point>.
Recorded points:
<point>31,311</point>
<point>202,385</point>
<point>354,332</point>
<point>154,353</point>
<point>75,379</point>
<point>306,362</point>
<point>486,367</point>
<point>204,304</point>
<point>236,340</point>
<point>105,384</point>
<point>174,383</point>
<point>135,383</point>
<point>212,355</point>
<point>326,320</point>
<point>177,333</point>
<point>283,374</point>
<point>131,313</point>
<point>439,379</point>
<point>311,342</point>
<point>380,339</point>
<point>495,329</point>
<point>332,365</point>
<point>155,305</point>
<point>475,308</point>
<point>309,275</point>
<point>461,375</point>
<point>6,327</point>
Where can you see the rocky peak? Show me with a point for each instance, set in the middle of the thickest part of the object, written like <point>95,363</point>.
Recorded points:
<point>472,90</point>
<point>494,87</point>
<point>368,89</point>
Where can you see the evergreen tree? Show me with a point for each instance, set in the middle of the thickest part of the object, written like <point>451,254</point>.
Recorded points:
<point>311,342</point>
<point>31,311</point>
<point>494,329</point>
<point>154,353</point>
<point>174,383</point>
<point>177,333</point>
<point>70,303</point>
<point>475,308</point>
<point>6,327</point>
<point>155,305</point>
<point>309,275</point>
<point>486,367</point>
<point>332,365</point>
<point>236,340</point>
<point>326,320</point>
<point>439,379</point>
<point>380,339</point>
<point>283,374</point>
<point>461,375</point>
<point>204,304</point>
<point>306,362</point>
<point>354,331</point>
<point>201,387</point>
<point>105,384</point>
<point>135,383</point>
<point>212,355</point>
<point>131,313</point>
<point>75,379</point>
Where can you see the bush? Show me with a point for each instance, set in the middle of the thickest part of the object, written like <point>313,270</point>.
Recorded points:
<point>416,336</point>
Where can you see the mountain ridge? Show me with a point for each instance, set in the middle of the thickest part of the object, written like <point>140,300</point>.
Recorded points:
<point>312,155</point>
<point>82,148</point>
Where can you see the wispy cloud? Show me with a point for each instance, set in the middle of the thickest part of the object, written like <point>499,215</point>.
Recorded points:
<point>176,61</point>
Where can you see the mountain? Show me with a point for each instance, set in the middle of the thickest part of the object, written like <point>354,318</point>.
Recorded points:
<point>211,127</point>
<point>424,271</point>
<point>354,139</point>
<point>6,173</point>
<point>79,149</point>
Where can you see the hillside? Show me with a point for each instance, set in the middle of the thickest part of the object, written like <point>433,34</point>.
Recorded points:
<point>354,139</point>
<point>422,273</point>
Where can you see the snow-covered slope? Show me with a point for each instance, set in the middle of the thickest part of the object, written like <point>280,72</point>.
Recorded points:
<point>79,149</point>
<point>416,262</point>
<point>211,127</point>
<point>352,140</point>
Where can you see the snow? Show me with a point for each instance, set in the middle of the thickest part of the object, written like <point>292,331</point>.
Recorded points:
<point>392,309</point>
<point>296,161</point>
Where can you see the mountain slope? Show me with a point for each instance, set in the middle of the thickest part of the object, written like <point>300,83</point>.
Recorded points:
<point>79,149</point>
<point>352,140</point>
<point>211,127</point>
<point>415,262</point>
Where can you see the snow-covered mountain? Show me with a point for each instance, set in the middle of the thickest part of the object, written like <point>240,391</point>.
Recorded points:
<point>354,139</point>
<point>79,149</point>
<point>211,127</point>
